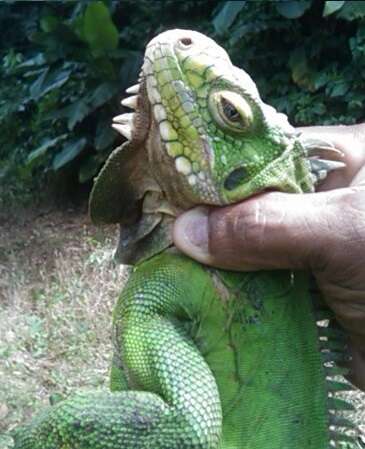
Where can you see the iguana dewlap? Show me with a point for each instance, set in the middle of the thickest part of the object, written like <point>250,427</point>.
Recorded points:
<point>203,358</point>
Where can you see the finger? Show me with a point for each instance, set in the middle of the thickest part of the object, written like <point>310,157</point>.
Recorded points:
<point>350,140</point>
<point>268,231</point>
<point>359,179</point>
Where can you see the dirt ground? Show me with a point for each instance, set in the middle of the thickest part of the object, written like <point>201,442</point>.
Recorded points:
<point>58,284</point>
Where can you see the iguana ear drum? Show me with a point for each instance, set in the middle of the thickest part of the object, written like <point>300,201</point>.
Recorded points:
<point>236,178</point>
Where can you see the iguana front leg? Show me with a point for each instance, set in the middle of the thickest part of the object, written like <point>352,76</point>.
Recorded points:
<point>174,402</point>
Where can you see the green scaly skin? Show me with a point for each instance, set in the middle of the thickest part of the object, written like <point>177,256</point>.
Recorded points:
<point>203,358</point>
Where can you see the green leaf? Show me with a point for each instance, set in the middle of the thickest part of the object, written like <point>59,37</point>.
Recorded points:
<point>332,6</point>
<point>130,68</point>
<point>71,149</point>
<point>292,9</point>
<point>48,81</point>
<point>103,93</point>
<point>98,28</point>
<point>49,23</point>
<point>301,74</point>
<point>339,89</point>
<point>88,169</point>
<point>40,152</point>
<point>36,60</point>
<point>352,10</point>
<point>226,16</point>
<point>320,80</point>
<point>55,79</point>
<point>76,112</point>
<point>36,87</point>
<point>104,137</point>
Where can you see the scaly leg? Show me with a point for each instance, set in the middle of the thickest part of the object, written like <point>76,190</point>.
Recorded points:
<point>174,403</point>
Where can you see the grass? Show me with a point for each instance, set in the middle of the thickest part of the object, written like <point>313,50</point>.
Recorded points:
<point>58,284</point>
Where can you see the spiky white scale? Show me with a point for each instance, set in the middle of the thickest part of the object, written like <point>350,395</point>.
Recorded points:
<point>192,179</point>
<point>133,89</point>
<point>124,119</point>
<point>154,95</point>
<point>197,122</point>
<point>174,148</point>
<point>188,106</point>
<point>130,102</point>
<point>125,130</point>
<point>183,165</point>
<point>167,131</point>
<point>159,112</point>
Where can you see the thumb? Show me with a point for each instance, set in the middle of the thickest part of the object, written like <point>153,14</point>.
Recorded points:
<point>269,231</point>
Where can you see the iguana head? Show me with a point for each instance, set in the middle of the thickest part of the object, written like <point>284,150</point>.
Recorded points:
<point>199,134</point>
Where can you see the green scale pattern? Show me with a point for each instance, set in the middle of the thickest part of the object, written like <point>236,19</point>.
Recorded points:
<point>209,361</point>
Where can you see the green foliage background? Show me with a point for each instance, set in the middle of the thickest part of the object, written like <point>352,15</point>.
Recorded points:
<point>64,67</point>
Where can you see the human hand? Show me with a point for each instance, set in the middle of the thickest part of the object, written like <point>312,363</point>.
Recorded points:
<point>323,232</point>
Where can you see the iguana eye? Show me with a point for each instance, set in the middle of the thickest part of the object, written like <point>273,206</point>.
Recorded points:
<point>230,110</point>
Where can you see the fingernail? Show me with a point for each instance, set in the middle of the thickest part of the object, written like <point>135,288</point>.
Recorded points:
<point>191,231</point>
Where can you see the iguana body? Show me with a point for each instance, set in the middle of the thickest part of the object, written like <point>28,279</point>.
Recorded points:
<point>203,358</point>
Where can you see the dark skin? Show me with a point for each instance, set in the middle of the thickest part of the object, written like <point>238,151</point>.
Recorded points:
<point>323,232</point>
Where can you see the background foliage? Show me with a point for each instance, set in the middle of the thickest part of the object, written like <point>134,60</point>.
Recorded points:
<point>65,65</point>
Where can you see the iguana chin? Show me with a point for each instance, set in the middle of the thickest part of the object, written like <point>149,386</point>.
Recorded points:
<point>203,358</point>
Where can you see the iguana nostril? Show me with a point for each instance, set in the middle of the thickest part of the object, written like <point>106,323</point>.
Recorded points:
<point>186,41</point>
<point>235,178</point>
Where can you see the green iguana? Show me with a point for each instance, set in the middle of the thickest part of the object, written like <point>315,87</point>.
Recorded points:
<point>203,358</point>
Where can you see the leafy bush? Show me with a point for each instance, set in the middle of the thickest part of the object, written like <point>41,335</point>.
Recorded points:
<point>307,57</point>
<point>63,77</point>
<point>62,81</point>
<point>64,88</point>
